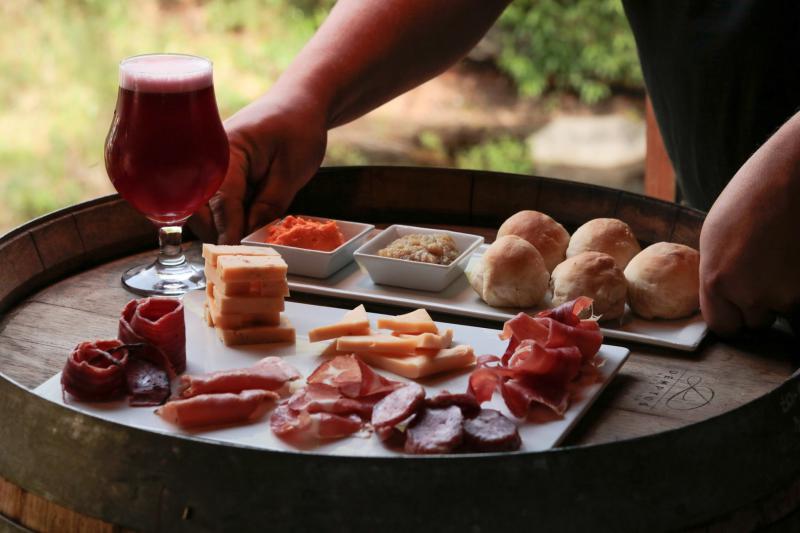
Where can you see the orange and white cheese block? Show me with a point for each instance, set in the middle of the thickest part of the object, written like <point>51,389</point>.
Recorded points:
<point>387,344</point>
<point>212,252</point>
<point>415,322</point>
<point>246,286</point>
<point>430,341</point>
<point>283,332</point>
<point>354,322</point>
<point>419,366</point>
<point>263,268</point>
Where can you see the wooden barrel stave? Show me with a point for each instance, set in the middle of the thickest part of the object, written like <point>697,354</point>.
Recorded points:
<point>37,255</point>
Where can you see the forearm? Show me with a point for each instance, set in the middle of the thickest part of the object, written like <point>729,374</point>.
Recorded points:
<point>369,51</point>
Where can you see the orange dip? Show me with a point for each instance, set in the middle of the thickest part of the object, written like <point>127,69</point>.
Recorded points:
<point>306,233</point>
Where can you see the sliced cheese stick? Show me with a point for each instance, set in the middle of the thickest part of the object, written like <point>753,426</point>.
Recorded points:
<point>354,322</point>
<point>419,366</point>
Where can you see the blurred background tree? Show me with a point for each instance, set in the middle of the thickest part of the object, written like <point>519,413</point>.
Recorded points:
<point>59,62</point>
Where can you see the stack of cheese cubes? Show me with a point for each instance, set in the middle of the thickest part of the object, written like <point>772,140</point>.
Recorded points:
<point>246,286</point>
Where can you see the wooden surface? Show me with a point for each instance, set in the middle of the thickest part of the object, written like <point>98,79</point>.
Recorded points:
<point>60,285</point>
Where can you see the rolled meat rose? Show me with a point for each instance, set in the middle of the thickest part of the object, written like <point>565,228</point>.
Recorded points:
<point>157,321</point>
<point>95,371</point>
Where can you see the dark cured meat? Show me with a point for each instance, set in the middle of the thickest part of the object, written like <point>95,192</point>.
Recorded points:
<point>490,431</point>
<point>466,402</point>
<point>216,409</point>
<point>397,406</point>
<point>148,383</point>
<point>435,431</point>
<point>270,373</point>
<point>352,377</point>
<point>95,371</point>
<point>157,321</point>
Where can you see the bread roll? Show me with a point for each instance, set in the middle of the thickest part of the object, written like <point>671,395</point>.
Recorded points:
<point>595,275</point>
<point>510,274</point>
<point>547,235</point>
<point>608,235</point>
<point>664,281</point>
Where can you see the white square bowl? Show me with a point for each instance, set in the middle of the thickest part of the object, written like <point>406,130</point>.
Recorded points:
<point>314,263</point>
<point>414,274</point>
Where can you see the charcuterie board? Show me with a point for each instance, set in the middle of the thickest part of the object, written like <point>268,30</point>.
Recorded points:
<point>458,298</point>
<point>206,353</point>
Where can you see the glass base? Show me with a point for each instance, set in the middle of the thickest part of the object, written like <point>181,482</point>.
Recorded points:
<point>159,279</point>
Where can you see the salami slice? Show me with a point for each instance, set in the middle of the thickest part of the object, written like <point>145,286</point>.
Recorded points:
<point>95,371</point>
<point>270,373</point>
<point>157,321</point>
<point>465,401</point>
<point>217,409</point>
<point>435,431</point>
<point>397,406</point>
<point>490,431</point>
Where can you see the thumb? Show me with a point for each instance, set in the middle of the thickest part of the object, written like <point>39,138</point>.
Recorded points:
<point>272,200</point>
<point>227,204</point>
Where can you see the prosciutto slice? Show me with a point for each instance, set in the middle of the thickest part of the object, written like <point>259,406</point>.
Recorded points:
<point>545,354</point>
<point>157,321</point>
<point>270,373</point>
<point>320,398</point>
<point>290,424</point>
<point>339,398</point>
<point>217,409</point>
<point>352,377</point>
<point>107,370</point>
<point>95,371</point>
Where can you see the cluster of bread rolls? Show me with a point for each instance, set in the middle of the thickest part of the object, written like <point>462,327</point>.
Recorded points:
<point>534,254</point>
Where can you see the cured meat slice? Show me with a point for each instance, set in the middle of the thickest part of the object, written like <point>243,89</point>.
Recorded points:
<point>569,312</point>
<point>290,424</point>
<point>560,364</point>
<point>552,334</point>
<point>519,394</point>
<point>321,398</point>
<point>352,377</point>
<point>147,382</point>
<point>490,431</point>
<point>95,371</point>
<point>270,373</point>
<point>397,406</point>
<point>158,321</point>
<point>466,402</point>
<point>435,431</point>
<point>217,409</point>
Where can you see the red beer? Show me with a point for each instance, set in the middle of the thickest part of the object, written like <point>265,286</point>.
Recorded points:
<point>166,151</point>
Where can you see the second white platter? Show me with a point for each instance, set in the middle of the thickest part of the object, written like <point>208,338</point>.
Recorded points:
<point>351,283</point>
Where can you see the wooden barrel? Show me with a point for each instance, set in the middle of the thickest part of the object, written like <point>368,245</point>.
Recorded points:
<point>725,456</point>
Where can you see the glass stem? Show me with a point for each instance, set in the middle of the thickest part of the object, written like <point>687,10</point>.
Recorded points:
<point>169,241</point>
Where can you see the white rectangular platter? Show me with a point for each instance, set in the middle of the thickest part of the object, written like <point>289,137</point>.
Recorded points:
<point>205,353</point>
<point>459,299</point>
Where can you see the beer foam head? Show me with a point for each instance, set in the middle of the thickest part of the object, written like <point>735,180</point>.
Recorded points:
<point>165,73</point>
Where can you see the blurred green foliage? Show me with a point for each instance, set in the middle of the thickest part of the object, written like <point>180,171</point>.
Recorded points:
<point>59,63</point>
<point>504,154</point>
<point>586,47</point>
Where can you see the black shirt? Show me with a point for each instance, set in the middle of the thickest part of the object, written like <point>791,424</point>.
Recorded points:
<point>723,75</point>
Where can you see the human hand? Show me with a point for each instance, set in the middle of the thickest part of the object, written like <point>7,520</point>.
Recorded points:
<point>749,245</point>
<point>276,145</point>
